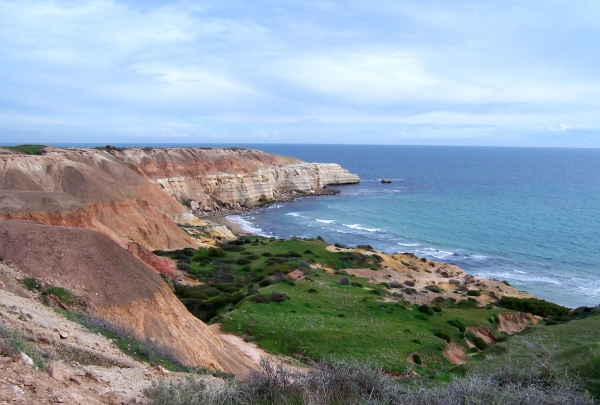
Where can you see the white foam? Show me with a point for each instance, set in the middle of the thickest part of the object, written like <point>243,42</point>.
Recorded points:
<point>438,254</point>
<point>293,214</point>
<point>409,244</point>
<point>325,221</point>
<point>360,228</point>
<point>247,225</point>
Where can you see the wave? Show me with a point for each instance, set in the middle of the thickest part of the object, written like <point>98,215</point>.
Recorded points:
<point>325,221</point>
<point>293,214</point>
<point>438,254</point>
<point>358,227</point>
<point>247,225</point>
<point>409,244</point>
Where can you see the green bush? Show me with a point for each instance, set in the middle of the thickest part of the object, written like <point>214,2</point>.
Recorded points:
<point>443,335</point>
<point>216,252</point>
<point>417,359</point>
<point>434,288</point>
<point>278,297</point>
<point>409,283</point>
<point>426,309</point>
<point>533,306</point>
<point>356,284</point>
<point>261,299</point>
<point>474,293</point>
<point>312,291</point>
<point>344,280</point>
<point>457,323</point>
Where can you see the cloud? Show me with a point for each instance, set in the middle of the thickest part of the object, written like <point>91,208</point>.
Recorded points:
<point>559,128</point>
<point>240,69</point>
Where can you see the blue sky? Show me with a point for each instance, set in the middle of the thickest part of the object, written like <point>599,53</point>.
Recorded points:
<point>507,73</point>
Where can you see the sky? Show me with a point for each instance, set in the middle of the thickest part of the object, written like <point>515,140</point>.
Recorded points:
<point>423,72</point>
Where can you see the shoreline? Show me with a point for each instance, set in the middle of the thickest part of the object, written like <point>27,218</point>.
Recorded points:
<point>240,231</point>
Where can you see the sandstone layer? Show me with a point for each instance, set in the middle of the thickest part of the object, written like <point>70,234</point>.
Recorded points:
<point>117,287</point>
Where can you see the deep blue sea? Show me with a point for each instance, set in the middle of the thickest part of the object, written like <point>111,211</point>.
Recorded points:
<point>530,216</point>
<point>525,215</point>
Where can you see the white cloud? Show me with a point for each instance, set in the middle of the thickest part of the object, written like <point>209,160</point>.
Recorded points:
<point>559,128</point>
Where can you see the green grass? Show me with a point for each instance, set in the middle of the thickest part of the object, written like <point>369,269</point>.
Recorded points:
<point>349,322</point>
<point>571,347</point>
<point>29,149</point>
<point>229,272</point>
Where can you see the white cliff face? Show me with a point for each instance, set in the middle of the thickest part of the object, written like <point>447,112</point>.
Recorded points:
<point>262,185</point>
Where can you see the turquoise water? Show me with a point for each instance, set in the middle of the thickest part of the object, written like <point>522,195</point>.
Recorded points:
<point>524,215</point>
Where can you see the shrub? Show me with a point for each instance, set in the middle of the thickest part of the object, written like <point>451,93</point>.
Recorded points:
<point>474,293</point>
<point>344,280</point>
<point>443,335</point>
<point>267,254</point>
<point>468,303</point>
<point>64,296</point>
<point>409,283</point>
<point>224,274</point>
<point>12,343</point>
<point>278,297</point>
<point>309,252</point>
<point>348,382</point>
<point>434,288</point>
<point>395,284</point>
<point>410,291</point>
<point>243,260</point>
<point>312,291</point>
<point>265,283</point>
<point>457,323</point>
<point>436,308</point>
<point>183,266</point>
<point>439,300</point>
<point>416,358</point>
<point>426,309</point>
<point>356,284</point>
<point>424,260</point>
<point>261,299</point>
<point>31,284</point>
<point>477,341</point>
<point>533,306</point>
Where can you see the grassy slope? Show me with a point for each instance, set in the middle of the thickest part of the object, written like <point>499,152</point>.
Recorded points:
<point>347,321</point>
<point>338,320</point>
<point>572,347</point>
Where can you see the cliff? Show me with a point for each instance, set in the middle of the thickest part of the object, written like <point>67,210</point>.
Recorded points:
<point>135,195</point>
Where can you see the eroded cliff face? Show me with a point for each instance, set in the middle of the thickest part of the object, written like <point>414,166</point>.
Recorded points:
<point>211,179</point>
<point>116,287</point>
<point>135,195</point>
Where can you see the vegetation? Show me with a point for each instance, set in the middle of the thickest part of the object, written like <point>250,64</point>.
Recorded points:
<point>349,382</point>
<point>145,351</point>
<point>569,347</point>
<point>534,306</point>
<point>29,149</point>
<point>12,343</point>
<point>64,296</point>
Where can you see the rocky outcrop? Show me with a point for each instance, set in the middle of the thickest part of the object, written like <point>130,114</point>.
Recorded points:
<point>117,287</point>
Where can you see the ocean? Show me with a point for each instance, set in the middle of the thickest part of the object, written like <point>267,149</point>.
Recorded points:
<point>530,216</point>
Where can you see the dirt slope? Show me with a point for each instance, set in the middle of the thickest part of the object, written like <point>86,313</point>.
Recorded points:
<point>116,287</point>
